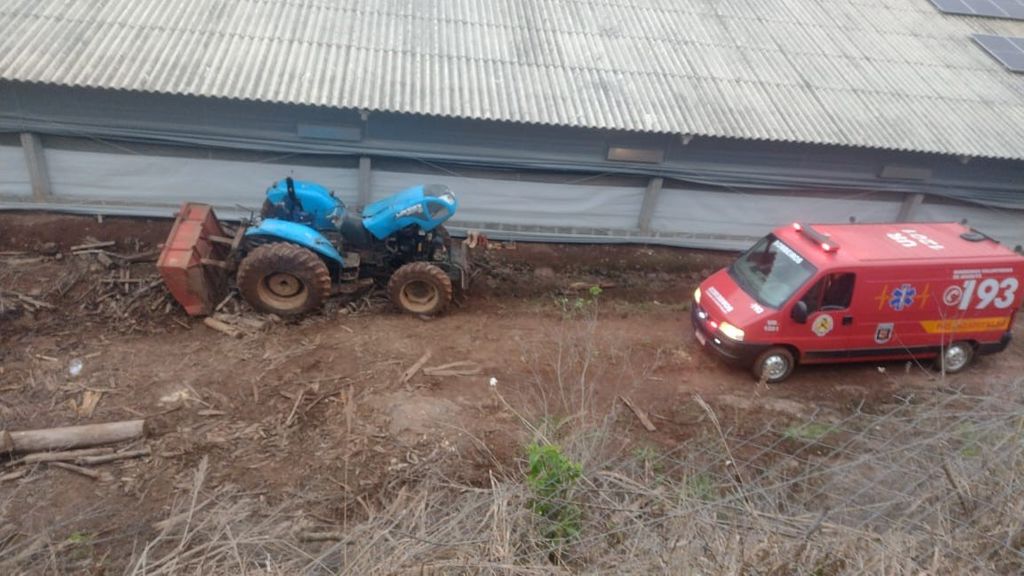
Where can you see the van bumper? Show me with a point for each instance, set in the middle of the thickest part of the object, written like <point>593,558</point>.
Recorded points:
<point>994,347</point>
<point>733,352</point>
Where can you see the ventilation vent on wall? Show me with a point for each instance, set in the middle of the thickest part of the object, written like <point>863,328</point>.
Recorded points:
<point>645,155</point>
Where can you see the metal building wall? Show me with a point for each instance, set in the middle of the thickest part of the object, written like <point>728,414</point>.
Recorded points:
<point>143,154</point>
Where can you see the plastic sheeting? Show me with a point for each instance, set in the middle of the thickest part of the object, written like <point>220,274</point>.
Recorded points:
<point>708,212</point>
<point>703,162</point>
<point>161,179</point>
<point>541,204</point>
<point>14,179</point>
<point>1005,226</point>
<point>595,210</point>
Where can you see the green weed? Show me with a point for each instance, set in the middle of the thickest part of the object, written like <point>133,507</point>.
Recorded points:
<point>808,431</point>
<point>552,477</point>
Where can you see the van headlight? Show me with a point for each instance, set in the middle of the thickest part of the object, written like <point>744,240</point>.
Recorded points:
<point>731,331</point>
<point>696,295</point>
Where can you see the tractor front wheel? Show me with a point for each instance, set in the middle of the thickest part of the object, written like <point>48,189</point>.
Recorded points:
<point>283,279</point>
<point>420,288</point>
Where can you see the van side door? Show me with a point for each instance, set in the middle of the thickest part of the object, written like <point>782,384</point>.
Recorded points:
<point>827,328</point>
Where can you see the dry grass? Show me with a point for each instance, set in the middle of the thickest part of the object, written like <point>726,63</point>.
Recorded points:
<point>930,485</point>
<point>919,488</point>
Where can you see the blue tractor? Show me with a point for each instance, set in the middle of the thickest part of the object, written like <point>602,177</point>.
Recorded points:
<point>305,247</point>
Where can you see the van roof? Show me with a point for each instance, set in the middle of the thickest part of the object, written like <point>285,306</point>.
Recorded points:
<point>898,242</point>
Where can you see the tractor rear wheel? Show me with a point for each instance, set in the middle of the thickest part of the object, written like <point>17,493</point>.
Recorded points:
<point>420,288</point>
<point>283,279</point>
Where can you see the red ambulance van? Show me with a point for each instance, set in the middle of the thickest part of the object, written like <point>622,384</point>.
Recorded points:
<point>855,292</point>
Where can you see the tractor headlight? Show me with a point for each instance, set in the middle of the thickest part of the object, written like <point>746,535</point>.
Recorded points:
<point>731,331</point>
<point>696,295</point>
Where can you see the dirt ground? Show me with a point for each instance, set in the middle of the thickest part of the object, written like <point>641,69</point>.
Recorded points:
<point>316,410</point>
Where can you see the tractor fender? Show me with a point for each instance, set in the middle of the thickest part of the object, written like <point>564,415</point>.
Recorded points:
<point>299,234</point>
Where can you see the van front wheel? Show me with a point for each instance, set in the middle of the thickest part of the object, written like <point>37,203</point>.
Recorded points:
<point>774,365</point>
<point>956,357</point>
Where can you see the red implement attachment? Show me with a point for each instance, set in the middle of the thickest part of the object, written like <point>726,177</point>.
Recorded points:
<point>195,260</point>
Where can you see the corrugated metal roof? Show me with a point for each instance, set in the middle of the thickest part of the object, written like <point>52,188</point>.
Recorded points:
<point>895,74</point>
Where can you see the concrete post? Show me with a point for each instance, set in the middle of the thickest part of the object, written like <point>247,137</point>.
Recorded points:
<point>364,181</point>
<point>35,160</point>
<point>650,203</point>
<point>910,202</point>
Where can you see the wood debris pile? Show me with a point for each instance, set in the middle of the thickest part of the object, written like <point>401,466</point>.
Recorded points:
<point>127,287</point>
<point>14,304</point>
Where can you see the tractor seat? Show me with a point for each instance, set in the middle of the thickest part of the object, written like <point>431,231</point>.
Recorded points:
<point>354,234</point>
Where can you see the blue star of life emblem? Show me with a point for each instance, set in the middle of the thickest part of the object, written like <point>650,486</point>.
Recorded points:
<point>902,297</point>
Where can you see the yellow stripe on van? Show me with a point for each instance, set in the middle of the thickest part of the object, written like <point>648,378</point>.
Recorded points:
<point>965,325</point>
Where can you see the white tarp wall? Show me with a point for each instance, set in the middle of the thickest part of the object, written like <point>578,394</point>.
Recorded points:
<point>524,203</point>
<point>14,179</point>
<point>711,212</point>
<point>504,204</point>
<point>135,178</point>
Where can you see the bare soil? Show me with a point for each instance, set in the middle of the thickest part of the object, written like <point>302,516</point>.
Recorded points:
<point>315,411</point>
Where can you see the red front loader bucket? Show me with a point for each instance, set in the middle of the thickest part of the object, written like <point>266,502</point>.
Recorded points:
<point>194,261</point>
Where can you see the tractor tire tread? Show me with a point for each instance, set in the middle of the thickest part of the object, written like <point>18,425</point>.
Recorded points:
<point>421,271</point>
<point>284,257</point>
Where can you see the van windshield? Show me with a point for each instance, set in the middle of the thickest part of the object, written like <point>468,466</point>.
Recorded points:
<point>771,271</point>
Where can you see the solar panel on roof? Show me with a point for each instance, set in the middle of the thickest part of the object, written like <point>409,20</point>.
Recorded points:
<point>1012,9</point>
<point>1009,51</point>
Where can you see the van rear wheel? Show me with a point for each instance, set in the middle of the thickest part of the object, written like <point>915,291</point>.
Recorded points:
<point>956,357</point>
<point>774,365</point>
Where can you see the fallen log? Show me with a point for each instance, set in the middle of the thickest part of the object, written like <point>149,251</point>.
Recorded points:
<point>408,374</point>
<point>93,246</point>
<point>94,474</point>
<point>26,299</point>
<point>76,436</point>
<point>639,413</point>
<point>219,326</point>
<point>460,368</point>
<point>239,321</point>
<point>104,458</point>
<point>65,456</point>
<point>14,475</point>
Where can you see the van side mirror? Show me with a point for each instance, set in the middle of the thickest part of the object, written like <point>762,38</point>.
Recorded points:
<point>799,312</point>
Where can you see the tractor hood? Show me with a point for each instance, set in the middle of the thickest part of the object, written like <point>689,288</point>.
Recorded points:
<point>425,207</point>
<point>304,202</point>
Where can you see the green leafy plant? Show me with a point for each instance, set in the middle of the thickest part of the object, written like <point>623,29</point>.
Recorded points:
<point>79,538</point>
<point>579,306</point>
<point>971,440</point>
<point>700,486</point>
<point>808,431</point>
<point>552,476</point>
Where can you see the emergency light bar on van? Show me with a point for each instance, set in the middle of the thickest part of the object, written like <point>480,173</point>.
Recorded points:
<point>823,240</point>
